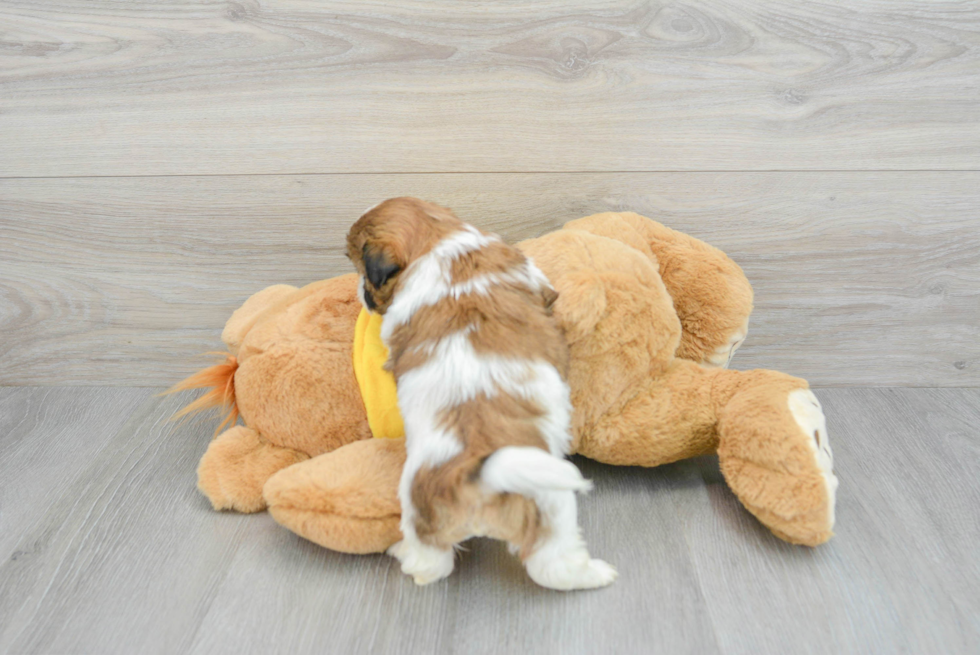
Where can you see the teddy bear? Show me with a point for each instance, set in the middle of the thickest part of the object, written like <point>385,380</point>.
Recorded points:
<point>652,317</point>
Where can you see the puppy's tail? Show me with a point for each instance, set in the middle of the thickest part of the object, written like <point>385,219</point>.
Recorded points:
<point>529,472</point>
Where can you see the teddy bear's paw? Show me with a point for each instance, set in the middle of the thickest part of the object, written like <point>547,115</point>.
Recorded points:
<point>721,356</point>
<point>236,466</point>
<point>426,564</point>
<point>571,570</point>
<point>806,410</point>
<point>774,453</point>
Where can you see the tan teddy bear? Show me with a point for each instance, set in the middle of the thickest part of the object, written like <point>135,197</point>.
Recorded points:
<point>651,316</point>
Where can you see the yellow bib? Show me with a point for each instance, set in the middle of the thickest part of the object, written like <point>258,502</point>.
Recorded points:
<point>377,385</point>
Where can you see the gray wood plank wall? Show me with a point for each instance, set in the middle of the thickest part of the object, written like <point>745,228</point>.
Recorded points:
<point>109,88</point>
<point>161,161</point>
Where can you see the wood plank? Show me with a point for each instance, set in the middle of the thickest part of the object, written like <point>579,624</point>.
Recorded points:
<point>110,88</point>
<point>901,574</point>
<point>344,604</point>
<point>49,436</point>
<point>860,278</point>
<point>127,557</point>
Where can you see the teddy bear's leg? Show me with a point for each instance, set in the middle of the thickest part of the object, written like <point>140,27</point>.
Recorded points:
<point>775,455</point>
<point>671,417</point>
<point>236,466</point>
<point>345,500</point>
<point>711,295</point>
<point>767,427</point>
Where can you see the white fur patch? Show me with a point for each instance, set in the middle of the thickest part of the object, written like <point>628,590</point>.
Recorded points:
<point>427,279</point>
<point>424,563</point>
<point>527,275</point>
<point>561,560</point>
<point>456,373</point>
<point>360,292</point>
<point>530,471</point>
<point>431,446</point>
<point>805,408</point>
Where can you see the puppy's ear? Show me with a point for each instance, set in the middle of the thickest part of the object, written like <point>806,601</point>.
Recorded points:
<point>550,296</point>
<point>378,268</point>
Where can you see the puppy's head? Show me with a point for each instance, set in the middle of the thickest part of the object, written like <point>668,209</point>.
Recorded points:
<point>385,241</point>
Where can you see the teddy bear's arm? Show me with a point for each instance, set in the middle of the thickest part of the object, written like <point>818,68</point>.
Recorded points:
<point>345,500</point>
<point>237,465</point>
<point>711,295</point>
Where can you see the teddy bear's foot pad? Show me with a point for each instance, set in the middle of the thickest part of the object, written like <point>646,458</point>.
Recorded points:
<point>806,409</point>
<point>775,456</point>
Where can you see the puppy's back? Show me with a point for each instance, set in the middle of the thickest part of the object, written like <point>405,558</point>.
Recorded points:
<point>485,365</point>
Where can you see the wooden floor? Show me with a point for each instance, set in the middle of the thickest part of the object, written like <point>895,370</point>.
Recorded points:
<point>162,160</point>
<point>107,547</point>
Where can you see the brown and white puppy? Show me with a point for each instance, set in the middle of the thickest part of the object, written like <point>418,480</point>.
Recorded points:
<point>480,366</point>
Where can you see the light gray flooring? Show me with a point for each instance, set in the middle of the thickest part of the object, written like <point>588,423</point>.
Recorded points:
<point>106,547</point>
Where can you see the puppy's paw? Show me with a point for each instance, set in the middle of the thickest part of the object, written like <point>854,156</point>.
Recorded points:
<point>424,563</point>
<point>599,574</point>
<point>572,570</point>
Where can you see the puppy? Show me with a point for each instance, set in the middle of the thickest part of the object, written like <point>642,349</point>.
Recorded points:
<point>480,367</point>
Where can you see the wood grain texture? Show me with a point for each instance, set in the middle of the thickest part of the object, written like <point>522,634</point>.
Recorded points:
<point>123,88</point>
<point>127,557</point>
<point>860,278</point>
<point>900,575</point>
<point>487,606</point>
<point>48,437</point>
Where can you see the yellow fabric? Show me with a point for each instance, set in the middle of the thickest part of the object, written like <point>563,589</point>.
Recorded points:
<point>377,385</point>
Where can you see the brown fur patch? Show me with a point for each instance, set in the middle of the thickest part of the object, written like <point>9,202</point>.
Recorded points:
<point>511,322</point>
<point>398,231</point>
<point>450,504</point>
<point>451,508</point>
<point>498,257</point>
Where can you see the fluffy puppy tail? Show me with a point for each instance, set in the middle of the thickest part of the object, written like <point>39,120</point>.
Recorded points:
<point>220,378</point>
<point>530,472</point>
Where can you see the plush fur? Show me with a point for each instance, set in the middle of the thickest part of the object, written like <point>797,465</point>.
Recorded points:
<point>648,314</point>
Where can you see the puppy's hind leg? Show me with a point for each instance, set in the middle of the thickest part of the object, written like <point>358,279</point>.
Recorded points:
<point>560,559</point>
<point>423,562</point>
